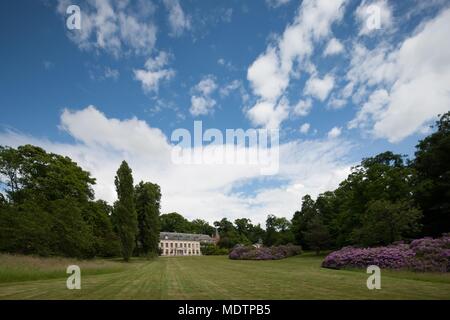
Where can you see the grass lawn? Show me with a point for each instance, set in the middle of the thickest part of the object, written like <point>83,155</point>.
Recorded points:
<point>210,277</point>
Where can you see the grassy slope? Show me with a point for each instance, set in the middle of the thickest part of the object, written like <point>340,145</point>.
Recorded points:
<point>15,268</point>
<point>216,277</point>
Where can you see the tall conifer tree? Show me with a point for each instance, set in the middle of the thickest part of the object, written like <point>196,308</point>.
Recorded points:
<point>125,217</point>
<point>148,196</point>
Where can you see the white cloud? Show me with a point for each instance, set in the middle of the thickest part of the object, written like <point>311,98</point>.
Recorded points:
<point>111,73</point>
<point>196,191</point>
<point>270,73</point>
<point>268,115</point>
<point>232,86</point>
<point>235,85</point>
<point>372,108</point>
<point>304,128</point>
<point>226,64</point>
<point>154,72</point>
<point>337,103</point>
<point>112,27</point>
<point>411,81</point>
<point>276,3</point>
<point>319,88</point>
<point>101,73</point>
<point>201,101</point>
<point>207,85</point>
<point>333,47</point>
<point>303,107</point>
<point>178,20</point>
<point>334,132</point>
<point>266,77</point>
<point>201,105</point>
<point>368,13</point>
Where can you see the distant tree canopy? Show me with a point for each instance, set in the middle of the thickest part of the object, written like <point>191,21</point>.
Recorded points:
<point>175,222</point>
<point>278,231</point>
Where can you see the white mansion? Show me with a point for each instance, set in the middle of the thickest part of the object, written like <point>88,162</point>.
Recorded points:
<point>183,244</point>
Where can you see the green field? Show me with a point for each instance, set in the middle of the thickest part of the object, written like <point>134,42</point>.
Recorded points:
<point>209,277</point>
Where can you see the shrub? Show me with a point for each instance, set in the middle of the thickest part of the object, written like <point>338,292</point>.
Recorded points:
<point>213,250</point>
<point>264,253</point>
<point>426,254</point>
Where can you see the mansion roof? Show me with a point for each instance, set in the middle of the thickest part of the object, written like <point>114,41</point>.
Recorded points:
<point>185,237</point>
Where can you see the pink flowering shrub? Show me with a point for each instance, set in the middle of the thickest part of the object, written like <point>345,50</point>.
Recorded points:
<point>264,253</point>
<point>426,254</point>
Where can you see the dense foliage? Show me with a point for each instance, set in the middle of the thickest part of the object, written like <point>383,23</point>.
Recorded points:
<point>264,253</point>
<point>426,254</point>
<point>213,250</point>
<point>48,207</point>
<point>124,213</point>
<point>432,179</point>
<point>175,222</point>
<point>147,200</point>
<point>385,199</point>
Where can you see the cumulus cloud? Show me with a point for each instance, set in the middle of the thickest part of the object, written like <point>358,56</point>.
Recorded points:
<point>265,76</point>
<point>235,86</point>
<point>268,115</point>
<point>113,27</point>
<point>303,107</point>
<point>270,74</point>
<point>336,103</point>
<point>334,132</point>
<point>197,191</point>
<point>155,71</point>
<point>319,88</point>
<point>333,47</point>
<point>201,105</point>
<point>410,81</point>
<point>178,20</point>
<point>304,128</point>
<point>201,101</point>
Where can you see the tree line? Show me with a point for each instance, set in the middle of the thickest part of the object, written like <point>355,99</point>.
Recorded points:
<point>47,206</point>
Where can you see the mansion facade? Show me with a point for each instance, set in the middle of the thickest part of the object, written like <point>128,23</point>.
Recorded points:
<point>183,244</point>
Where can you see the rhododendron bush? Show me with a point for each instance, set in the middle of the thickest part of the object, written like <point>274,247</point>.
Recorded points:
<point>264,253</point>
<point>426,254</point>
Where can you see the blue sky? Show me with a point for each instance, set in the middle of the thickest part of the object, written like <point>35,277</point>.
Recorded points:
<point>336,89</point>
